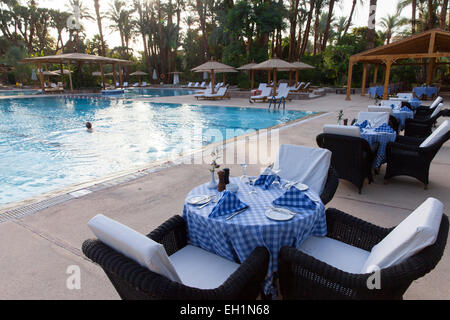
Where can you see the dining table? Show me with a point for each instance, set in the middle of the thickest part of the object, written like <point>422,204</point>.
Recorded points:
<point>236,237</point>
<point>425,90</point>
<point>383,138</point>
<point>401,116</point>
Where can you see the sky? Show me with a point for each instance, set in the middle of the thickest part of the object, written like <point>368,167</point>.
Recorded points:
<point>343,8</point>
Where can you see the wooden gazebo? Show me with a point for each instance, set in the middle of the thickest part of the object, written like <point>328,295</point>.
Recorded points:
<point>78,58</point>
<point>424,48</point>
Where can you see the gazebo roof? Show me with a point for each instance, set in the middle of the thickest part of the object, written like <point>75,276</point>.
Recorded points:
<point>74,57</point>
<point>433,43</point>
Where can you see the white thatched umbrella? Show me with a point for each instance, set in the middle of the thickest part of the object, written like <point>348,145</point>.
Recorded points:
<point>248,67</point>
<point>212,66</point>
<point>140,74</point>
<point>274,64</point>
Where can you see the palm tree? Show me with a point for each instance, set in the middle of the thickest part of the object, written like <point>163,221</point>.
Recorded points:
<point>59,22</point>
<point>328,24</point>
<point>77,7</point>
<point>121,22</point>
<point>371,25</point>
<point>391,23</point>
<point>443,16</point>
<point>352,11</point>
<point>99,24</point>
<point>413,3</point>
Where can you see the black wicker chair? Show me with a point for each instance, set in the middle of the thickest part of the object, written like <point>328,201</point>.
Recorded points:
<point>330,186</point>
<point>425,110</point>
<point>352,157</point>
<point>406,157</point>
<point>421,127</point>
<point>301,276</point>
<point>134,282</point>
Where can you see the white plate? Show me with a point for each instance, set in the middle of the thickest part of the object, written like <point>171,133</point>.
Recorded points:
<point>202,199</point>
<point>277,215</point>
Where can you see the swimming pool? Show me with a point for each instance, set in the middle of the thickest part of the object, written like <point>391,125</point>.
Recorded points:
<point>44,145</point>
<point>18,92</point>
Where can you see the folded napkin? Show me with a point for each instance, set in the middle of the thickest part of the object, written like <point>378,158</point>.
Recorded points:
<point>296,200</point>
<point>406,109</point>
<point>363,124</point>
<point>384,128</point>
<point>267,178</point>
<point>227,204</point>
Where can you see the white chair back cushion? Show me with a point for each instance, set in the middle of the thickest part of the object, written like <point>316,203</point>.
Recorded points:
<point>390,103</point>
<point>417,231</point>
<point>379,109</point>
<point>436,102</point>
<point>436,135</point>
<point>307,165</point>
<point>376,119</point>
<point>352,131</point>
<point>201,269</point>
<point>282,85</point>
<point>436,110</point>
<point>134,245</point>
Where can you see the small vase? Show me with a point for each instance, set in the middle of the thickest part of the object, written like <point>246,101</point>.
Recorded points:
<point>212,184</point>
<point>339,122</point>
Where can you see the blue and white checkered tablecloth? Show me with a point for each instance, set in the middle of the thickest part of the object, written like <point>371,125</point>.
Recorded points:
<point>236,238</point>
<point>401,116</point>
<point>428,91</point>
<point>383,138</point>
<point>377,91</point>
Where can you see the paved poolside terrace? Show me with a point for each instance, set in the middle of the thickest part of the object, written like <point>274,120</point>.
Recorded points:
<point>36,250</point>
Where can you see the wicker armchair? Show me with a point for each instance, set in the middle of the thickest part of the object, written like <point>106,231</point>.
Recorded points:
<point>330,186</point>
<point>302,276</point>
<point>134,282</point>
<point>420,127</point>
<point>406,157</point>
<point>352,157</point>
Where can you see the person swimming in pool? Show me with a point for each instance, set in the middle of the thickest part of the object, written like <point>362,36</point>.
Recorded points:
<point>89,126</point>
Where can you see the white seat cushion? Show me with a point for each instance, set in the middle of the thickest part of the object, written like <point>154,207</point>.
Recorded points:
<point>304,164</point>
<point>352,131</point>
<point>436,135</point>
<point>335,253</point>
<point>201,269</point>
<point>376,119</point>
<point>379,109</point>
<point>417,231</point>
<point>134,245</point>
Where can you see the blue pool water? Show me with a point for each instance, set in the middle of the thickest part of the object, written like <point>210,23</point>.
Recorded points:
<point>44,144</point>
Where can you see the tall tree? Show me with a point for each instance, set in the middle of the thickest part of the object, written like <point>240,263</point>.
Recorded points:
<point>371,25</point>
<point>443,15</point>
<point>307,29</point>
<point>350,17</point>
<point>99,24</point>
<point>293,14</point>
<point>328,24</point>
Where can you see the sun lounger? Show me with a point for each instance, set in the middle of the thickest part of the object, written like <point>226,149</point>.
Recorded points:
<point>260,87</point>
<point>221,94</point>
<point>136,84</point>
<point>265,94</point>
<point>280,97</point>
<point>144,84</point>
<point>305,88</point>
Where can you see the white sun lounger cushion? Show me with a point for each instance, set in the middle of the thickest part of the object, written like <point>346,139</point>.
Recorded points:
<point>134,245</point>
<point>417,231</point>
